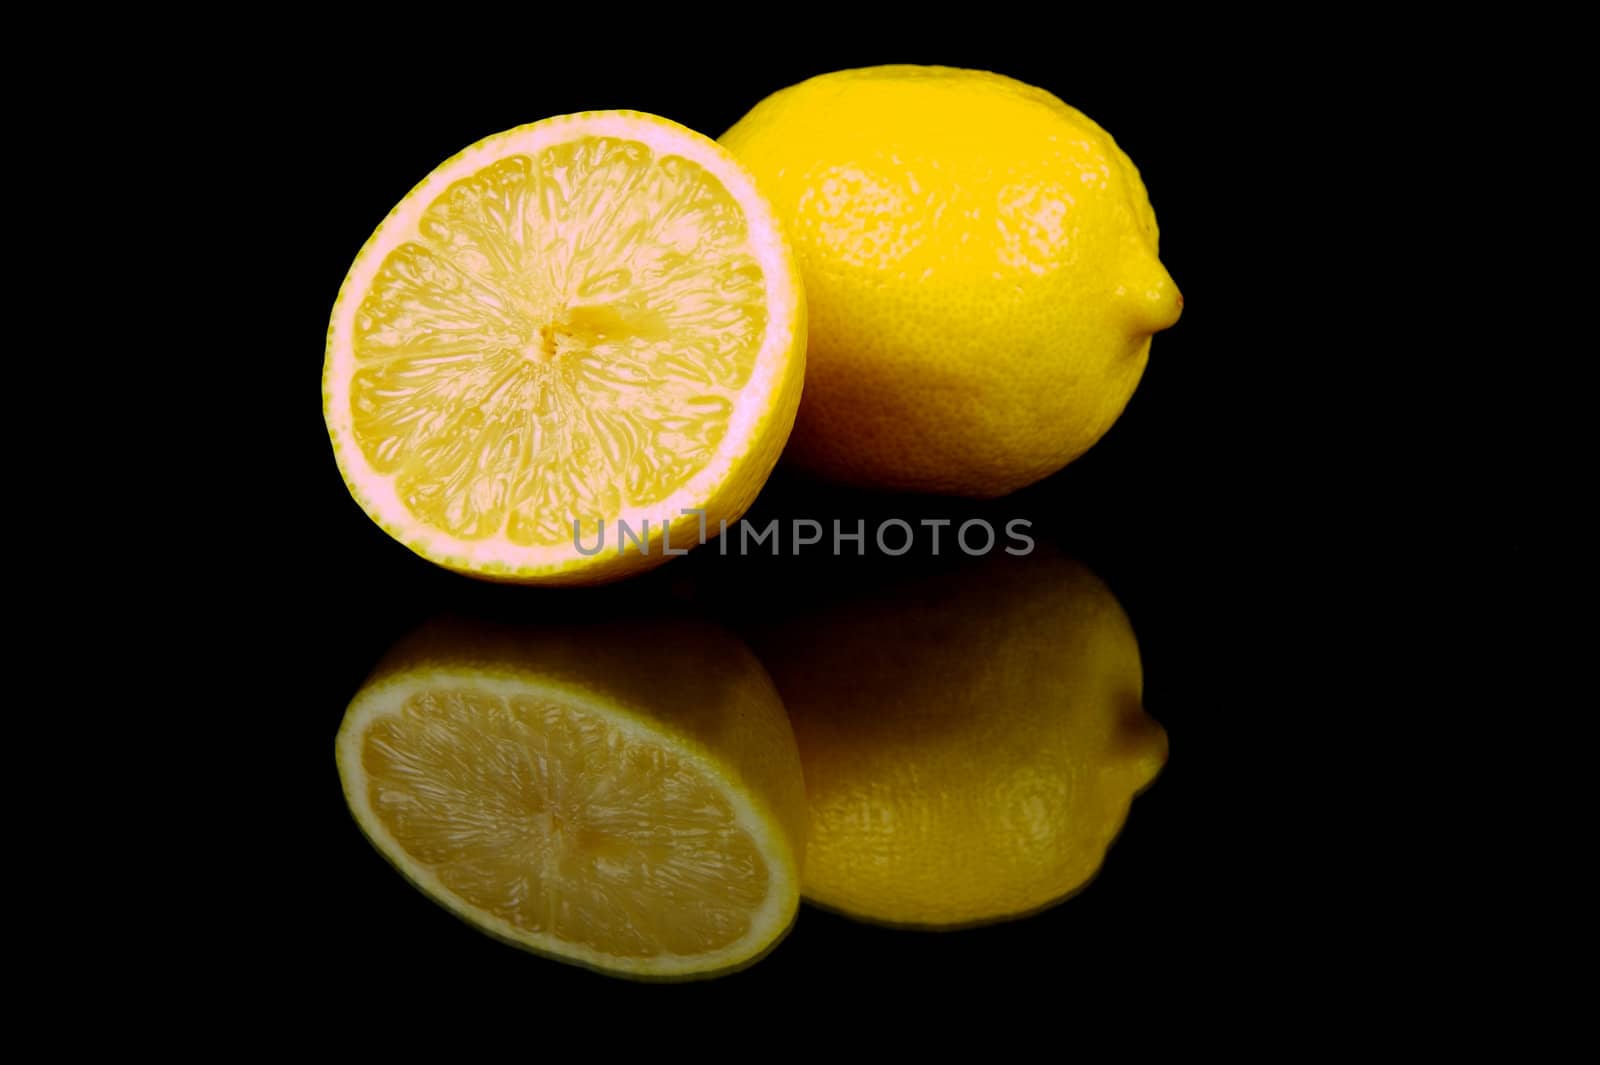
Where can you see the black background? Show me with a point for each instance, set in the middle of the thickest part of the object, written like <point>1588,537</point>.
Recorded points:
<point>1193,508</point>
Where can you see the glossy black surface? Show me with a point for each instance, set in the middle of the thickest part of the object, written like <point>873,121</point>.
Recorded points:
<point>1182,509</point>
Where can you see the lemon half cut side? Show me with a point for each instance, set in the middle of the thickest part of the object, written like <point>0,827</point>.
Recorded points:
<point>587,322</point>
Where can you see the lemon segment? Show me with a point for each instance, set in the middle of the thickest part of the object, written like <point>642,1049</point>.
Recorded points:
<point>591,319</point>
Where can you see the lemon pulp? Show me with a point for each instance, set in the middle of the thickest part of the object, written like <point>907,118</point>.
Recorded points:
<point>592,302</point>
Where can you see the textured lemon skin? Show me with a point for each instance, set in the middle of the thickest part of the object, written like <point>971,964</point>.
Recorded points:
<point>981,270</point>
<point>971,745</point>
<point>694,686</point>
<point>724,492</point>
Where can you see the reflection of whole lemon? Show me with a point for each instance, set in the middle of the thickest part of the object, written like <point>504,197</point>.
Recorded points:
<point>970,744</point>
<point>980,268</point>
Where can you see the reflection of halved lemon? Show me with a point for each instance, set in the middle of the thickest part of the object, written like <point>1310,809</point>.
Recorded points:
<point>627,800</point>
<point>971,741</point>
<point>590,319</point>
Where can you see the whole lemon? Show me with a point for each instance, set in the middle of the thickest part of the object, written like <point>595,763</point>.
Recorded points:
<point>980,269</point>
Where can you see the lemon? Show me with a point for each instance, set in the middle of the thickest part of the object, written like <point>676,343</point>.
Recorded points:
<point>584,323</point>
<point>980,268</point>
<point>971,742</point>
<point>625,799</point>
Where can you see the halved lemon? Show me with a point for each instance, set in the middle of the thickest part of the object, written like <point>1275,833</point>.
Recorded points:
<point>629,799</point>
<point>573,351</point>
